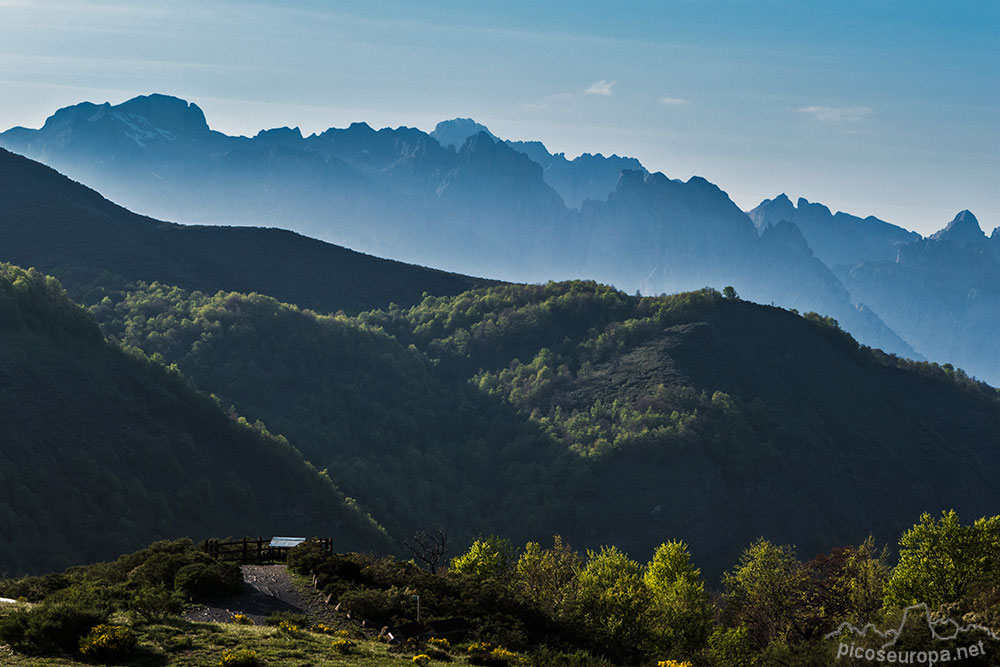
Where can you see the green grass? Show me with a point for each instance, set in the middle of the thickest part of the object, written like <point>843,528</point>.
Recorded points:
<point>177,643</point>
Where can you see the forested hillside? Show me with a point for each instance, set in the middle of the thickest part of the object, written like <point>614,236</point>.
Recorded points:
<point>105,451</point>
<point>574,408</point>
<point>419,448</point>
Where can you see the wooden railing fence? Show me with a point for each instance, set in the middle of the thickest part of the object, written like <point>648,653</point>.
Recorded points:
<point>251,551</point>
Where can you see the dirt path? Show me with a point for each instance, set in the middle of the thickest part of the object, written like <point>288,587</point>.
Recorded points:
<point>266,589</point>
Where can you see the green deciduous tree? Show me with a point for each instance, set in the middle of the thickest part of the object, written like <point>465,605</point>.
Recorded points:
<point>550,577</point>
<point>762,591</point>
<point>683,613</point>
<point>939,559</point>
<point>491,557</point>
<point>615,602</point>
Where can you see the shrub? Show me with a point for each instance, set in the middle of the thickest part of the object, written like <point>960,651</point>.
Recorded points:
<point>376,606</point>
<point>49,627</point>
<point>306,557</point>
<point>242,619</point>
<point>324,629</point>
<point>160,569</point>
<point>288,628</point>
<point>154,603</point>
<point>439,642</point>
<point>242,658</point>
<point>546,657</point>
<point>343,645</point>
<point>208,580</point>
<point>502,656</point>
<point>33,589</point>
<point>421,659</point>
<point>291,618</point>
<point>109,642</point>
<point>484,653</point>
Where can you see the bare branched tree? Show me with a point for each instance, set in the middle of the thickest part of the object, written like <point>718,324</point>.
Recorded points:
<point>428,547</point>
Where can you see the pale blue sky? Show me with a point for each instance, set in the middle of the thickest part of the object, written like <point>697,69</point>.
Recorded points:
<point>883,108</point>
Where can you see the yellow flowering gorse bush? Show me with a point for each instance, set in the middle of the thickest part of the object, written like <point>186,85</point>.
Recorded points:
<point>108,641</point>
<point>343,645</point>
<point>244,657</point>
<point>288,628</point>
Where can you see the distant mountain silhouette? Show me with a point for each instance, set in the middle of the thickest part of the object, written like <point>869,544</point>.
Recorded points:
<point>454,132</point>
<point>942,294</point>
<point>964,229</point>
<point>577,180</point>
<point>834,239</point>
<point>462,200</point>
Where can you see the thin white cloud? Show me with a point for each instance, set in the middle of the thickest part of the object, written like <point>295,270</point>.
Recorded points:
<point>672,101</point>
<point>602,87</point>
<point>837,114</point>
<point>547,101</point>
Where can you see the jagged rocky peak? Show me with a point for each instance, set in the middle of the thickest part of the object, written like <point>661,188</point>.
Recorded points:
<point>637,183</point>
<point>490,159</point>
<point>786,236</point>
<point>805,206</point>
<point>280,135</point>
<point>485,140</point>
<point>167,113</point>
<point>455,132</point>
<point>143,118</point>
<point>631,181</point>
<point>772,210</point>
<point>964,229</point>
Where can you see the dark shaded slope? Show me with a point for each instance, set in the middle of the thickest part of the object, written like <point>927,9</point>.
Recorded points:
<point>416,447</point>
<point>813,442</point>
<point>70,231</point>
<point>103,452</point>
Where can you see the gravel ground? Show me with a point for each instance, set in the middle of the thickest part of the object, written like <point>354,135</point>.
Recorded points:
<point>267,589</point>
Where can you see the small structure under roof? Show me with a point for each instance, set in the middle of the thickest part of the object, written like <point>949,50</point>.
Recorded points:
<point>286,542</point>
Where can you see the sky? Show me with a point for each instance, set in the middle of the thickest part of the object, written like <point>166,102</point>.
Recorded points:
<point>876,108</point>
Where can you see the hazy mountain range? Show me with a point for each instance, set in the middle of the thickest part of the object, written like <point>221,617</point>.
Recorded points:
<point>462,200</point>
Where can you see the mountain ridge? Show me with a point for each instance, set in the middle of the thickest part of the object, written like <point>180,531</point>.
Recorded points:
<point>52,223</point>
